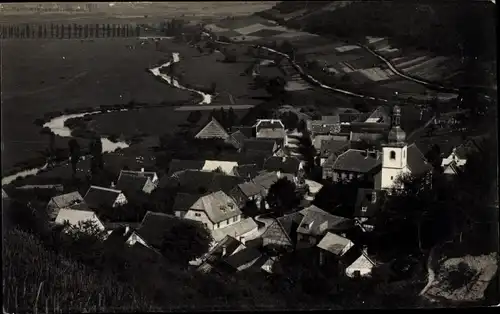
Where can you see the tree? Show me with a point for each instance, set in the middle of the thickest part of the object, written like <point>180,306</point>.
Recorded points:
<point>290,120</point>
<point>222,117</point>
<point>186,241</point>
<point>231,117</point>
<point>75,154</point>
<point>282,196</point>
<point>96,163</point>
<point>194,117</point>
<point>339,198</point>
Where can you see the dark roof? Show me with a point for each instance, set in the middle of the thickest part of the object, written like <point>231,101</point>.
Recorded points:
<point>259,145</point>
<point>116,225</point>
<point>184,201</point>
<point>356,161</point>
<point>269,124</point>
<point>266,179</point>
<point>243,257</point>
<point>224,183</point>
<point>365,199</point>
<point>99,196</point>
<point>149,174</point>
<point>195,181</point>
<point>178,165</point>
<point>327,124</point>
<point>317,222</point>
<point>333,147</point>
<point>382,114</point>
<point>237,138</point>
<point>248,131</point>
<point>131,183</point>
<point>416,160</point>
<point>368,136</point>
<point>155,225</point>
<point>249,171</point>
<point>349,117</point>
<point>250,189</point>
<point>253,157</point>
<point>228,242</point>
<point>282,164</point>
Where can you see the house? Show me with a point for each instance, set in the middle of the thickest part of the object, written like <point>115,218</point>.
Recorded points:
<point>199,182</point>
<point>150,174</point>
<point>214,210</point>
<point>131,184</point>
<point>381,115</point>
<point>281,234</point>
<point>289,165</point>
<point>226,166</point>
<point>270,128</point>
<point>332,149</point>
<point>236,139</point>
<point>212,130</point>
<point>77,217</point>
<point>313,189</point>
<point>326,125</point>
<point>316,223</point>
<point>368,204</point>
<point>98,196</point>
<point>361,267</point>
<point>334,244</point>
<point>64,201</point>
<point>152,229</point>
<point>247,172</point>
<point>353,163</point>
<point>247,131</point>
<point>260,146</point>
<point>231,256</point>
<point>459,155</point>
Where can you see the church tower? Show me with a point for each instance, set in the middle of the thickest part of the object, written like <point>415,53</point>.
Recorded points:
<point>394,153</point>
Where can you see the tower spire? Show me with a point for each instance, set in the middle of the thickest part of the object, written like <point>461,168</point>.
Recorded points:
<point>396,134</point>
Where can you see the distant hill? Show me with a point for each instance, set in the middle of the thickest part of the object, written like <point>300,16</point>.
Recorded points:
<point>443,27</point>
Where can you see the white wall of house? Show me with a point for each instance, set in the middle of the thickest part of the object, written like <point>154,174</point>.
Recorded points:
<point>120,200</point>
<point>148,187</point>
<point>201,217</point>
<point>135,238</point>
<point>453,157</point>
<point>361,265</point>
<point>226,166</point>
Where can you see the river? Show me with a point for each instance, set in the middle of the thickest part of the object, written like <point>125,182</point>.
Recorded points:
<point>56,125</point>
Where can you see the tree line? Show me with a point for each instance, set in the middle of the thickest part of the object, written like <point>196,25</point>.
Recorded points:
<point>68,31</point>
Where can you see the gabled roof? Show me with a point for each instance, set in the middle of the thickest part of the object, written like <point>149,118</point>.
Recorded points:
<point>266,179</point>
<point>218,206</point>
<point>333,147</point>
<point>246,171</point>
<point>75,216</point>
<point>356,161</point>
<point>228,243</point>
<point>416,161</point>
<point>264,145</point>
<point>195,181</point>
<point>282,164</point>
<point>289,221</point>
<point>98,196</point>
<point>381,114</point>
<point>250,189</point>
<point>65,200</point>
<point>246,256</point>
<point>178,165</point>
<point>335,244</point>
<point>184,201</point>
<point>317,222</point>
<point>363,261</point>
<point>154,226</point>
<point>248,131</point>
<point>365,207</point>
<point>236,139</point>
<point>224,183</point>
<point>213,129</point>
<point>150,174</point>
<point>131,183</point>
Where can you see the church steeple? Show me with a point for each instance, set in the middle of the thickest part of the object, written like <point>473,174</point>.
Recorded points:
<point>396,134</point>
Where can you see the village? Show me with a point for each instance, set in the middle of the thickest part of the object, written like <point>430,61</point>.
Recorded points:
<point>297,171</point>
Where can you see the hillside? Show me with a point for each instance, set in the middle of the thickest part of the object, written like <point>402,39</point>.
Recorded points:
<point>445,28</point>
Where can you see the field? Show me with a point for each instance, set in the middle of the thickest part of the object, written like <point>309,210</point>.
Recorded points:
<point>66,74</point>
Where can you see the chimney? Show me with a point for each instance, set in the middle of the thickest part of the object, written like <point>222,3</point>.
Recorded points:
<point>367,152</point>
<point>142,169</point>
<point>374,197</point>
<point>283,159</point>
<point>127,229</point>
<point>278,173</point>
<point>224,250</point>
<point>113,185</point>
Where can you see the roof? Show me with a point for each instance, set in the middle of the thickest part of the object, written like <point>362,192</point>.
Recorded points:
<point>273,124</point>
<point>335,244</point>
<point>416,161</point>
<point>316,222</point>
<point>218,206</point>
<point>356,161</point>
<point>364,199</point>
<point>367,136</point>
<point>250,189</point>
<point>259,144</point>
<point>4,194</point>
<point>178,165</point>
<point>327,124</point>
<point>116,225</point>
<point>288,222</point>
<point>195,181</point>
<point>98,196</point>
<point>184,201</point>
<point>363,261</point>
<point>266,179</point>
<point>237,138</point>
<point>237,229</point>
<point>333,147</point>
<point>381,114</point>
<point>349,117</point>
<point>131,183</point>
<point>246,171</point>
<point>150,174</point>
<point>248,131</point>
<point>319,140</point>
<point>65,200</point>
<point>213,129</point>
<point>228,242</point>
<point>271,133</point>
<point>75,216</point>
<point>154,226</point>
<point>282,164</point>
<point>224,183</point>
<point>243,257</point>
